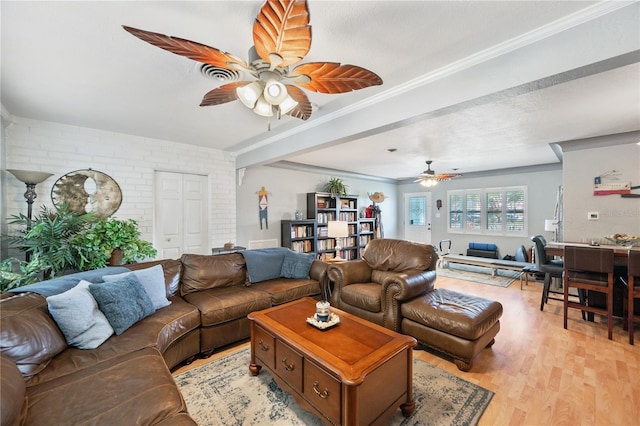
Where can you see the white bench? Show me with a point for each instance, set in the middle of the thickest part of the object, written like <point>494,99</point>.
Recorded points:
<point>494,264</point>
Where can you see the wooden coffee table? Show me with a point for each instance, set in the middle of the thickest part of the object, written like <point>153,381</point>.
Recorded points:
<point>355,373</point>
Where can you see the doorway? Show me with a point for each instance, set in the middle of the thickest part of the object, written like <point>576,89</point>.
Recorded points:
<point>181,214</point>
<point>417,217</point>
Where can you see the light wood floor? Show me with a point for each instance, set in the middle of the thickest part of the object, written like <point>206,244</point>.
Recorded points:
<point>542,374</point>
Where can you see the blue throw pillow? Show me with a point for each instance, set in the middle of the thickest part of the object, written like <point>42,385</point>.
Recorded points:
<point>124,302</point>
<point>297,265</point>
<point>264,264</point>
<point>152,279</point>
<point>79,318</point>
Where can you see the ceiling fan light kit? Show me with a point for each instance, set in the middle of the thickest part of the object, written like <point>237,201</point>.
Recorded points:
<point>249,94</point>
<point>281,37</point>
<point>429,182</point>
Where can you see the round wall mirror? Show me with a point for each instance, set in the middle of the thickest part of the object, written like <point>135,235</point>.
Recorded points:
<point>87,191</point>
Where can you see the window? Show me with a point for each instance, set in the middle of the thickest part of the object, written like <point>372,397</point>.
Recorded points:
<point>488,211</point>
<point>417,209</point>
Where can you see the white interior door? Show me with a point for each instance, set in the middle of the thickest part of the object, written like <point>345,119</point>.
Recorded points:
<point>181,212</point>
<point>417,217</point>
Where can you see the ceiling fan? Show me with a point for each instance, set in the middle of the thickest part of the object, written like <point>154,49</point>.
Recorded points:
<point>281,37</point>
<point>429,177</point>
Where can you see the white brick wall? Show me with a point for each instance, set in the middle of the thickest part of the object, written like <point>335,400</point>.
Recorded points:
<point>129,160</point>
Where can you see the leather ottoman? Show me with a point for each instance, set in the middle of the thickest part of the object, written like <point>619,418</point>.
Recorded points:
<point>457,324</point>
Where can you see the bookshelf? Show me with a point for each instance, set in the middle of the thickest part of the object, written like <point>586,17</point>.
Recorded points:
<point>299,235</point>
<point>323,208</point>
<point>365,232</point>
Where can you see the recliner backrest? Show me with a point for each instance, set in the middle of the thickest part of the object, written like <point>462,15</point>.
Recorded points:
<point>387,254</point>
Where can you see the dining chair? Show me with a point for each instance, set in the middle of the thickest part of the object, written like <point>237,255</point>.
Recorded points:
<point>633,290</point>
<point>549,267</point>
<point>589,269</point>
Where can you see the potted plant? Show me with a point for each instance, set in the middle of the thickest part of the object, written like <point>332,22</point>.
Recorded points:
<point>49,241</point>
<point>111,241</point>
<point>336,187</point>
<point>17,273</point>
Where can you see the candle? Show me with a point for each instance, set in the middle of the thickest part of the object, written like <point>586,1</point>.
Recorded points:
<point>322,311</point>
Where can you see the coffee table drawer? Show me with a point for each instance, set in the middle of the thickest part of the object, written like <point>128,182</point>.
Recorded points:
<point>288,365</point>
<point>265,347</point>
<point>322,390</point>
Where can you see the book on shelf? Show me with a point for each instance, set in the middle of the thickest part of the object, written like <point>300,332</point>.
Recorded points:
<point>364,239</point>
<point>325,217</point>
<point>347,216</point>
<point>301,231</point>
<point>302,246</point>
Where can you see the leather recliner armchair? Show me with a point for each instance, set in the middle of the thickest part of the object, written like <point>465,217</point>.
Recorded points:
<point>389,273</point>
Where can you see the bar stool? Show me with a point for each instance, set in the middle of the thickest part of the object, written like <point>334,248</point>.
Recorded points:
<point>590,269</point>
<point>549,267</point>
<point>633,291</point>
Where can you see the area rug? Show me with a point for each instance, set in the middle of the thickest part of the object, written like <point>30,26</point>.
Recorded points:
<point>223,392</point>
<point>479,274</point>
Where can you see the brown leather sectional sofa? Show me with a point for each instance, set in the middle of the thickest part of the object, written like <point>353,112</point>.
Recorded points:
<point>127,379</point>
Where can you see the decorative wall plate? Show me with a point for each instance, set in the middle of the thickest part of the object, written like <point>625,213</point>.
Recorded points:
<point>87,190</point>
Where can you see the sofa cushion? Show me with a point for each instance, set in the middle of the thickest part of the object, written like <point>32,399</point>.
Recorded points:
<point>283,290</point>
<point>13,401</point>
<point>77,314</point>
<point>28,334</point>
<point>224,304</point>
<point>202,272</point>
<point>483,246</point>
<point>134,388</point>
<point>123,302</point>
<point>364,296</point>
<point>264,264</point>
<point>297,265</point>
<point>152,279</point>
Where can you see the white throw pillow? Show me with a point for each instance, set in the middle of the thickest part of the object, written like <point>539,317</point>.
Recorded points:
<point>152,280</point>
<point>77,314</point>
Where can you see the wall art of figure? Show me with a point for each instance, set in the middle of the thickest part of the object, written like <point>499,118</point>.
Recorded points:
<point>263,205</point>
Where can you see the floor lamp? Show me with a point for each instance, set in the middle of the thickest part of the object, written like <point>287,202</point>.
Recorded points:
<point>338,229</point>
<point>31,179</point>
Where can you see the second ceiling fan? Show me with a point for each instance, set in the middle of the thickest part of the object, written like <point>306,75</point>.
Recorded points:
<point>281,37</point>
<point>429,177</point>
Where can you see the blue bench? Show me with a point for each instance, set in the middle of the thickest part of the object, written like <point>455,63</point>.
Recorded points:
<point>483,250</point>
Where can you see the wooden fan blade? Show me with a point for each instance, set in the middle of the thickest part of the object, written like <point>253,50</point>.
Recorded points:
<point>223,94</point>
<point>191,49</point>
<point>447,176</point>
<point>282,28</point>
<point>303,110</point>
<point>331,77</point>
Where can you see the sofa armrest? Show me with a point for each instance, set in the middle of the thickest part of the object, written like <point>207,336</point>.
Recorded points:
<point>318,271</point>
<point>343,274</point>
<point>405,286</point>
<point>398,287</point>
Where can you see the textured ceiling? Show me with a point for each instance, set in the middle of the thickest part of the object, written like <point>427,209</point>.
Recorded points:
<point>471,85</point>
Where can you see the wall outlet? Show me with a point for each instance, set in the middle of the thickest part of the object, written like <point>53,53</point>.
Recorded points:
<point>593,215</point>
